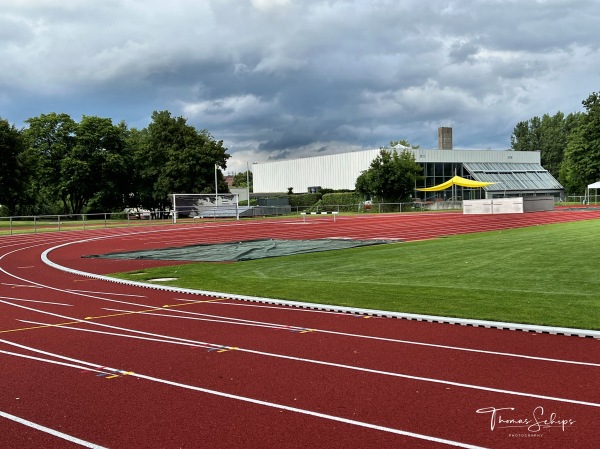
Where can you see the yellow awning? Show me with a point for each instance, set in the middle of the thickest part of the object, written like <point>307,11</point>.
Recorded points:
<point>457,180</point>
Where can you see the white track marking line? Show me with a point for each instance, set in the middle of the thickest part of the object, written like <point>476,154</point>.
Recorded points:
<point>38,302</point>
<point>455,348</point>
<point>21,285</point>
<point>53,362</point>
<point>93,323</point>
<point>133,337</point>
<point>12,298</point>
<point>241,321</point>
<point>251,401</point>
<point>168,339</point>
<point>104,293</point>
<point>314,414</point>
<point>282,326</point>
<point>50,431</point>
<point>212,319</point>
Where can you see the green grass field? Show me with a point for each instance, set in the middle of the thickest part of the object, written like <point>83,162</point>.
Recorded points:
<point>546,275</point>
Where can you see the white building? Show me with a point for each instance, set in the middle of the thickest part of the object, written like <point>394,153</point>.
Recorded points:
<point>515,173</point>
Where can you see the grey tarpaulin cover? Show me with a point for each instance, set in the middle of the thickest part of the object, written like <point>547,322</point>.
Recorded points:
<point>238,251</point>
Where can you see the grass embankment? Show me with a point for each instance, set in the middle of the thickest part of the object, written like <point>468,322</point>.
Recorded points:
<point>546,275</point>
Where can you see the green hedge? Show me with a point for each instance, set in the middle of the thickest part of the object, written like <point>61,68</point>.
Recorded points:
<point>343,202</point>
<point>304,199</point>
<point>326,201</point>
<point>343,198</point>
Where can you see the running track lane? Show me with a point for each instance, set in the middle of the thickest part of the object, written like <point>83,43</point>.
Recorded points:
<point>210,372</point>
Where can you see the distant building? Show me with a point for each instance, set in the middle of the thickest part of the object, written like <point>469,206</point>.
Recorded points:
<point>515,173</point>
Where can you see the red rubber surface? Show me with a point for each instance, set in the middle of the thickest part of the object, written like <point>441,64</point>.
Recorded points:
<point>216,373</point>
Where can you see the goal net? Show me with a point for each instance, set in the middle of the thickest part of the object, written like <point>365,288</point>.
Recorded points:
<point>197,205</point>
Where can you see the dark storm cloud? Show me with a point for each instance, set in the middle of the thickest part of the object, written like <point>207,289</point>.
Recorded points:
<point>289,78</point>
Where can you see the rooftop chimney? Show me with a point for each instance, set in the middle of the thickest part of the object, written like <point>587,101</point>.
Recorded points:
<point>444,138</point>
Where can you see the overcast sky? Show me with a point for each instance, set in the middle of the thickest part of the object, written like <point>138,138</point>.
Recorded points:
<point>280,79</point>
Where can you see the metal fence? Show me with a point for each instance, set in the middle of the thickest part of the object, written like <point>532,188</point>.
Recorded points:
<point>34,224</point>
<point>55,223</point>
<point>49,223</point>
<point>593,199</point>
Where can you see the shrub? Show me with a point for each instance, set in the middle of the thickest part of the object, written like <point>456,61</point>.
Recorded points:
<point>343,202</point>
<point>304,199</point>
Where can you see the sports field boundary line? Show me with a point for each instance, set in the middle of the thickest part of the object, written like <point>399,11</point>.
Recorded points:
<point>585,333</point>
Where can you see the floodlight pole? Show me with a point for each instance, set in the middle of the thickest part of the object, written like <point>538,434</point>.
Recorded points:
<point>248,182</point>
<point>216,188</point>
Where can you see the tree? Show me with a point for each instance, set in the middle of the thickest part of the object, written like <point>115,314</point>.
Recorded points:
<point>391,177</point>
<point>50,139</point>
<point>549,135</point>
<point>13,177</point>
<point>101,148</point>
<point>140,192</point>
<point>241,179</point>
<point>581,164</point>
<point>81,162</point>
<point>82,165</point>
<point>175,158</point>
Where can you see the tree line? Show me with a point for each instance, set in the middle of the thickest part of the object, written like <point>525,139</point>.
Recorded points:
<point>569,145</point>
<point>59,166</point>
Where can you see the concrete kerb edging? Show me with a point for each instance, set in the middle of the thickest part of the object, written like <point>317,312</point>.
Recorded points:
<point>329,308</point>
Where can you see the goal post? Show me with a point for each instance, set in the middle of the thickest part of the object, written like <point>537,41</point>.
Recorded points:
<point>204,205</point>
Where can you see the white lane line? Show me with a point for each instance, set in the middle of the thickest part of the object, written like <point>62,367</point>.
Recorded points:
<point>53,362</point>
<point>314,414</point>
<point>35,301</point>
<point>253,401</point>
<point>241,321</point>
<point>21,285</point>
<point>169,339</point>
<point>50,431</point>
<point>211,318</point>
<point>104,293</point>
<point>455,348</point>
<point>133,337</point>
<point>277,326</point>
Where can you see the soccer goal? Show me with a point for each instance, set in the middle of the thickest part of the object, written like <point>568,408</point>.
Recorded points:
<point>198,205</point>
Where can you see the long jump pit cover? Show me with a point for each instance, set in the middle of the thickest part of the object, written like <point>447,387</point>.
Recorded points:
<point>240,251</point>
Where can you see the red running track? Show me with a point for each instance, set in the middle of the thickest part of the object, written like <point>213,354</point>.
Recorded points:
<point>89,363</point>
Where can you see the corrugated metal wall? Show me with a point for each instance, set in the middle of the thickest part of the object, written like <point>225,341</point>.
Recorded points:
<point>339,171</point>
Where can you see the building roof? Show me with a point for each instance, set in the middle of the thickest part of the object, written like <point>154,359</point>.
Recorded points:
<point>513,176</point>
